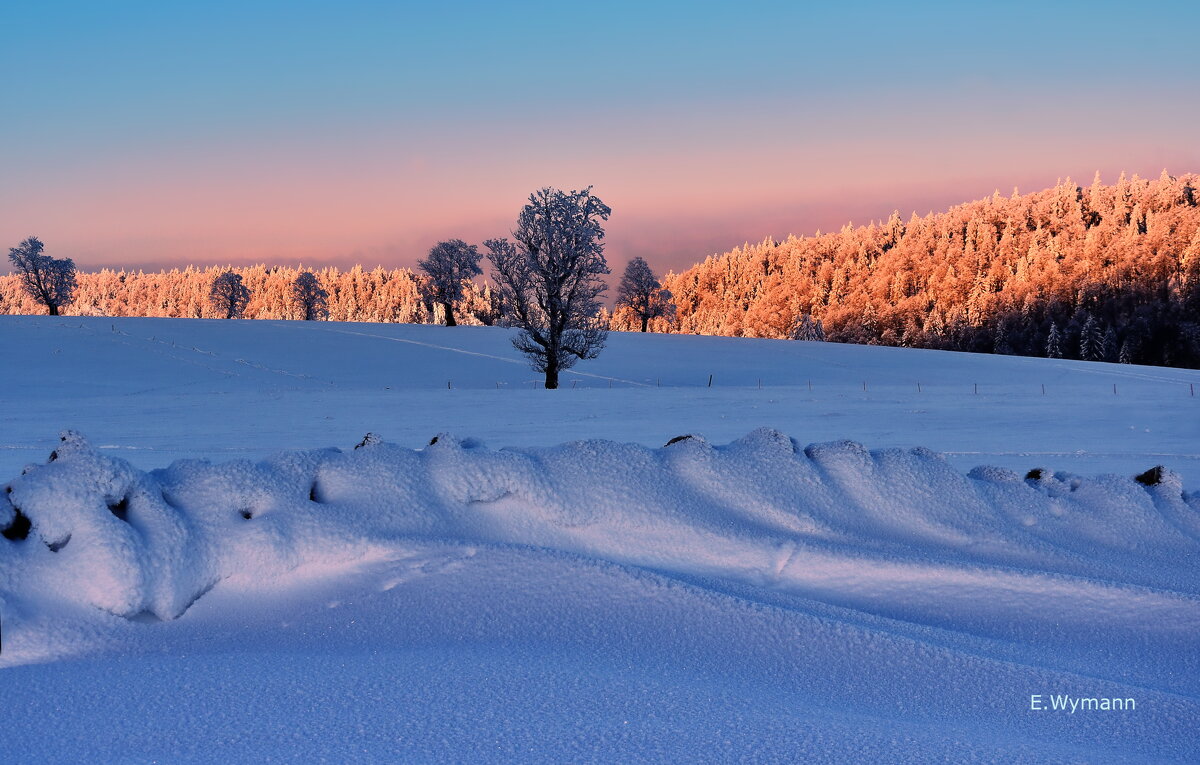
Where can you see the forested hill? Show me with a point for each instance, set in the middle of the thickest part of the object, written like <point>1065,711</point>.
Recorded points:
<point>1111,271</point>
<point>1098,272</point>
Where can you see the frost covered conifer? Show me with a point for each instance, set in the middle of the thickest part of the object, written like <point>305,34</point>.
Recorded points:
<point>228,296</point>
<point>49,281</point>
<point>1054,343</point>
<point>642,292</point>
<point>550,278</point>
<point>1108,345</point>
<point>1001,343</point>
<point>806,328</point>
<point>449,264</point>
<point>312,300</point>
<point>1091,341</point>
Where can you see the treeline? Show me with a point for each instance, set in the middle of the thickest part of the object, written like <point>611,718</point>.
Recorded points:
<point>358,294</point>
<point>1103,272</point>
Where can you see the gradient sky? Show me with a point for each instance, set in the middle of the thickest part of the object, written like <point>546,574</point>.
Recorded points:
<point>158,133</point>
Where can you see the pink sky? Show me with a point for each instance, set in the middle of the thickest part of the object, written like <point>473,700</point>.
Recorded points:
<point>685,178</point>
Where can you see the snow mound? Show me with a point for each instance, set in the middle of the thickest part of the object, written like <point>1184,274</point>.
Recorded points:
<point>875,530</point>
<point>832,600</point>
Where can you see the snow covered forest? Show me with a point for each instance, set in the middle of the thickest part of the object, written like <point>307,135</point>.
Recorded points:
<point>1102,272</point>
<point>1112,270</point>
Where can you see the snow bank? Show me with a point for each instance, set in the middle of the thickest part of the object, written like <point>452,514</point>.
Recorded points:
<point>758,600</point>
<point>898,533</point>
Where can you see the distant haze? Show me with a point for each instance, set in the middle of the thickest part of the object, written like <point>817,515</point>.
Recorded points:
<point>142,135</point>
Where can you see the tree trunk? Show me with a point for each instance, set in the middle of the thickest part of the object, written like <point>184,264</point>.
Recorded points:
<point>450,322</point>
<point>645,322</point>
<point>552,375</point>
<point>53,309</point>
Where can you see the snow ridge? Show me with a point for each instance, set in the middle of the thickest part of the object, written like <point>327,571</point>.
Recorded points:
<point>898,533</point>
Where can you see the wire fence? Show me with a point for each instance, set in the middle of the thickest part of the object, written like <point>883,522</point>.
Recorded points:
<point>1184,389</point>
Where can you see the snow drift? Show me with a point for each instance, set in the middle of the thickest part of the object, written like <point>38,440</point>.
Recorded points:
<point>759,599</point>
<point>893,532</point>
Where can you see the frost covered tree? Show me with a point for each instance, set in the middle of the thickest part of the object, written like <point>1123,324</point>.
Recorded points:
<point>49,281</point>
<point>1000,342</point>
<point>448,265</point>
<point>312,300</point>
<point>869,325</point>
<point>641,291</point>
<point>1109,345</point>
<point>807,328</point>
<point>1054,343</point>
<point>1130,250</point>
<point>486,306</point>
<point>228,296</point>
<point>550,278</point>
<point>1091,340</point>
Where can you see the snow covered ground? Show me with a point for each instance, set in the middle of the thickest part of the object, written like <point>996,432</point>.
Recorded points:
<point>747,595</point>
<point>156,390</point>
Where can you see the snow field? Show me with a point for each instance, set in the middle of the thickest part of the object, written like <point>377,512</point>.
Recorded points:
<point>157,390</point>
<point>748,595</point>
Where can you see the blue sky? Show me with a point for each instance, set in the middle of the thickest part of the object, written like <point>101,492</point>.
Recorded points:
<point>141,132</point>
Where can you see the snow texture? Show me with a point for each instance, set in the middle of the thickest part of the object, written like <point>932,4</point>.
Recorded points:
<point>738,594</point>
<point>156,390</point>
<point>608,599</point>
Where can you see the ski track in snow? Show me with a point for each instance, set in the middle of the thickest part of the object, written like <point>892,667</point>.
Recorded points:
<point>450,349</point>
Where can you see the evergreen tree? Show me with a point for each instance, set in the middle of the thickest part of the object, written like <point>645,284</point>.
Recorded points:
<point>1125,356</point>
<point>1000,341</point>
<point>1091,341</point>
<point>869,324</point>
<point>1109,345</point>
<point>1054,343</point>
<point>808,329</point>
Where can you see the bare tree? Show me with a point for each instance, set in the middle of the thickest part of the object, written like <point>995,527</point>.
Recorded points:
<point>550,278</point>
<point>228,296</point>
<point>642,292</point>
<point>310,297</point>
<point>49,281</point>
<point>449,264</point>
